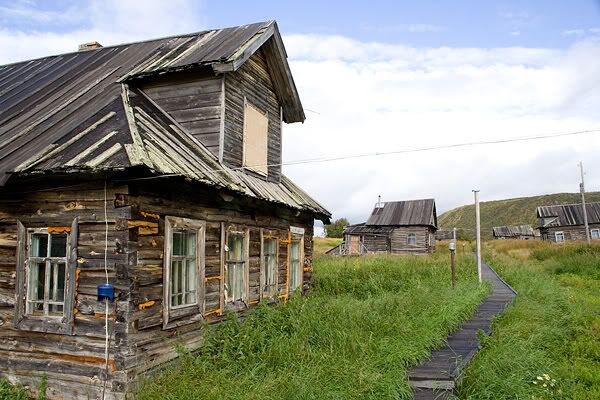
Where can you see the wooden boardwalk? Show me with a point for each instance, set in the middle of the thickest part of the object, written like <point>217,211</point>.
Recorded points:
<point>437,377</point>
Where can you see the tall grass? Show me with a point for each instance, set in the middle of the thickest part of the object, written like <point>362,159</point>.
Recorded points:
<point>353,337</point>
<point>553,328</point>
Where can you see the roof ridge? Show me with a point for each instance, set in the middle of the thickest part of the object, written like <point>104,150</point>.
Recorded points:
<point>182,35</point>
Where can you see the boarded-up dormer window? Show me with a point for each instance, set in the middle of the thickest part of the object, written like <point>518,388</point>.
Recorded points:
<point>256,125</point>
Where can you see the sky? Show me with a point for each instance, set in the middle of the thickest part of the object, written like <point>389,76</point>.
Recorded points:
<point>384,76</point>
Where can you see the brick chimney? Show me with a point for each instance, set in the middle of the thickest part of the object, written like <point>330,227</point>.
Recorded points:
<point>89,46</point>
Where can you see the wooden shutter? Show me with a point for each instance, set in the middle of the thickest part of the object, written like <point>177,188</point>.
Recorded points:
<point>255,139</point>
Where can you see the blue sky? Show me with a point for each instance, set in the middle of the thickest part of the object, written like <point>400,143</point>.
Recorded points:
<point>386,76</point>
<point>417,23</point>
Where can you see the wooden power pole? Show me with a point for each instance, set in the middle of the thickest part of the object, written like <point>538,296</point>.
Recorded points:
<point>585,217</point>
<point>478,233</point>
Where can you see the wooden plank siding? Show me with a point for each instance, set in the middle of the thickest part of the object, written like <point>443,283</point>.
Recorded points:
<point>425,242</point>
<point>251,83</point>
<point>194,102</point>
<point>572,233</point>
<point>136,239</point>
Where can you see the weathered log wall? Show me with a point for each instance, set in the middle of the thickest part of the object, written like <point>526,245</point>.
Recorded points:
<point>571,233</point>
<point>136,230</point>
<point>425,242</point>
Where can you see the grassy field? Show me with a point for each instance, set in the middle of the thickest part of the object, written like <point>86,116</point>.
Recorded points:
<point>506,212</point>
<point>321,245</point>
<point>553,328</point>
<point>365,322</point>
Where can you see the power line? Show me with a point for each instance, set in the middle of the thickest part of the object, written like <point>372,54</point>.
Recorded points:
<point>392,152</point>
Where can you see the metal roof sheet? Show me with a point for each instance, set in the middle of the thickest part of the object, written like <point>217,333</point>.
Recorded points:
<point>74,112</point>
<point>569,214</point>
<point>513,231</point>
<point>403,213</point>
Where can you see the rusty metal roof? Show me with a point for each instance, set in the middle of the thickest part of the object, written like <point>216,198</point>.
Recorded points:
<point>75,112</point>
<point>405,213</point>
<point>568,214</point>
<point>513,231</point>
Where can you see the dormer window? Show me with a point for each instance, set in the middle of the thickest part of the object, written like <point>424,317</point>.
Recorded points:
<point>256,123</point>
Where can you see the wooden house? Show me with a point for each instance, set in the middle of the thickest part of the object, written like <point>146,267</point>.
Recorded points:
<point>154,167</point>
<point>518,232</point>
<point>396,227</point>
<point>565,222</point>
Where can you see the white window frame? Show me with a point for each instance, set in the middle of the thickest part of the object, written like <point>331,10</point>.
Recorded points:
<point>263,168</point>
<point>48,260</point>
<point>170,312</point>
<point>296,277</point>
<point>233,298</point>
<point>408,239</point>
<point>556,235</point>
<point>24,319</point>
<point>269,290</point>
<point>596,231</point>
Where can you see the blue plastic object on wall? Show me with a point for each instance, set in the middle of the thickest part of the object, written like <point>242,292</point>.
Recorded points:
<point>106,291</point>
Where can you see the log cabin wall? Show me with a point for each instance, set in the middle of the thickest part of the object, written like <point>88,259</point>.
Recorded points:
<point>377,244</point>
<point>152,344</point>
<point>571,233</point>
<point>251,83</point>
<point>74,363</point>
<point>139,342</point>
<point>424,240</point>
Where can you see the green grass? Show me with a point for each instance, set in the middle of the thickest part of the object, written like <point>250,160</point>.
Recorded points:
<point>10,392</point>
<point>553,327</point>
<point>321,245</point>
<point>353,337</point>
<point>505,212</point>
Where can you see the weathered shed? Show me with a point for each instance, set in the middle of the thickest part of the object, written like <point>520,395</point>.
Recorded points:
<point>520,232</point>
<point>154,167</point>
<point>563,222</point>
<point>397,227</point>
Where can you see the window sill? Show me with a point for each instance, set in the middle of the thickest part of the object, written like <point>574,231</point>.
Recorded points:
<point>45,324</point>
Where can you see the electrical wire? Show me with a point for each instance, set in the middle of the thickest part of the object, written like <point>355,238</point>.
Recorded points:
<point>392,152</point>
<point>107,332</point>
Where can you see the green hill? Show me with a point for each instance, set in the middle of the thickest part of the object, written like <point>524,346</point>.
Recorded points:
<point>505,212</point>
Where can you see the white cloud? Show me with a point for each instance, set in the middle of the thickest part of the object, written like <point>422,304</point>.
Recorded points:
<point>374,97</point>
<point>573,32</point>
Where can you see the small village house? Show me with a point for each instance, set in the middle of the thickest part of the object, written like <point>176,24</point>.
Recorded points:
<point>518,232</point>
<point>396,227</point>
<point>565,222</point>
<point>154,170</point>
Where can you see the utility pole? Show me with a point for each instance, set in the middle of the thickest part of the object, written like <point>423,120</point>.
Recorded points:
<point>478,233</point>
<point>585,218</point>
<point>452,257</point>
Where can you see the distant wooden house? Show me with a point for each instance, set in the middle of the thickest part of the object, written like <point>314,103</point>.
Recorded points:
<point>519,232</point>
<point>564,222</point>
<point>397,227</point>
<point>442,235</point>
<point>148,173</point>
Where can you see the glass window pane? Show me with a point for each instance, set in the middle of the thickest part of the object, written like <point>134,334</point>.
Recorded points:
<point>190,243</point>
<point>55,308</point>
<point>178,244</point>
<point>39,245</point>
<point>58,245</point>
<point>57,282</point>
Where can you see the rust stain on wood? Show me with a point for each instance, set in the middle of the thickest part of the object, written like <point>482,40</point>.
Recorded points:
<point>146,304</point>
<point>89,360</point>
<point>59,229</point>
<point>149,215</point>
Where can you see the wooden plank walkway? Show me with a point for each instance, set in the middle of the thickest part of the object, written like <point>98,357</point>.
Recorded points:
<point>437,377</point>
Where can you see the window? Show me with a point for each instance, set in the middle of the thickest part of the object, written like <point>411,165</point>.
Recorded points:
<point>559,237</point>
<point>595,233</point>
<point>255,139</point>
<point>45,278</point>
<point>184,268</point>
<point>46,275</point>
<point>295,278</point>
<point>235,267</point>
<point>411,239</point>
<point>270,266</point>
